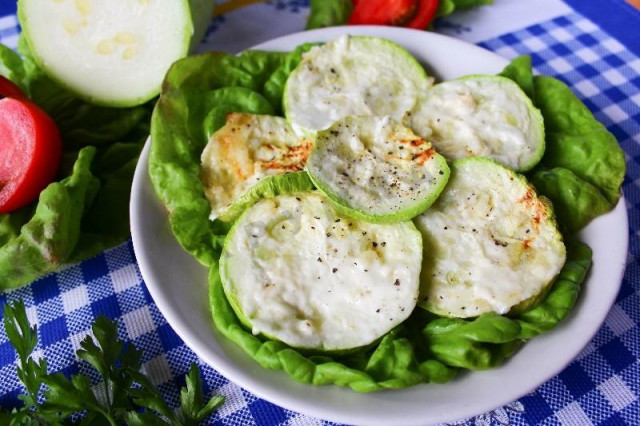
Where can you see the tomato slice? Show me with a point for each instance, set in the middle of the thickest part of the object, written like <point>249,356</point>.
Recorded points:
<point>10,90</point>
<point>426,11</point>
<point>382,12</point>
<point>30,152</point>
<point>407,13</point>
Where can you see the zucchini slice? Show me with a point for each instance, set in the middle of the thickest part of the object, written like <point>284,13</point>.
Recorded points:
<point>115,52</point>
<point>296,270</point>
<point>481,115</point>
<point>491,243</point>
<point>376,169</point>
<point>352,76</point>
<point>246,150</point>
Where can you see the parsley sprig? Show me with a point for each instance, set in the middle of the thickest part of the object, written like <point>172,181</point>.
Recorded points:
<point>127,397</point>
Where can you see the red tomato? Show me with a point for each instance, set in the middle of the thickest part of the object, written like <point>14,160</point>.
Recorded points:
<point>10,90</point>
<point>382,12</point>
<point>407,13</point>
<point>426,11</point>
<point>30,151</point>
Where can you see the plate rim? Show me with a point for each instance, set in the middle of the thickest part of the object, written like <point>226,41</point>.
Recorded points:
<point>227,369</point>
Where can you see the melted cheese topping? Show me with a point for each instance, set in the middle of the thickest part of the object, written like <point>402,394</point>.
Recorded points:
<point>352,76</point>
<point>378,167</point>
<point>247,149</point>
<point>484,116</point>
<point>300,272</point>
<point>490,242</point>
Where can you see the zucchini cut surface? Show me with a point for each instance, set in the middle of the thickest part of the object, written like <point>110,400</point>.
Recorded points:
<point>115,52</point>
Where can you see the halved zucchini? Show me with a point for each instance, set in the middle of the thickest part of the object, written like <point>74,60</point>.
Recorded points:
<point>296,270</point>
<point>491,243</point>
<point>352,76</point>
<point>481,115</point>
<point>246,150</point>
<point>115,52</point>
<point>376,169</point>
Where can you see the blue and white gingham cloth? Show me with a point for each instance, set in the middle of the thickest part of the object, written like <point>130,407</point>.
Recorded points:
<point>602,386</point>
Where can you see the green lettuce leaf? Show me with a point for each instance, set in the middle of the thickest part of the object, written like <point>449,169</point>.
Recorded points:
<point>100,220</point>
<point>583,166</point>
<point>329,13</point>
<point>576,202</point>
<point>105,223</point>
<point>197,93</point>
<point>520,71</point>
<point>11,66</point>
<point>50,235</point>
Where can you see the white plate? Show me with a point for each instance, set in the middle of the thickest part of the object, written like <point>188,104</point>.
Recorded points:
<point>178,285</point>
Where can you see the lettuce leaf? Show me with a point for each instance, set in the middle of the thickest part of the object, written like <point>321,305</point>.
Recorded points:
<point>100,151</point>
<point>329,13</point>
<point>583,166</point>
<point>106,222</point>
<point>47,239</point>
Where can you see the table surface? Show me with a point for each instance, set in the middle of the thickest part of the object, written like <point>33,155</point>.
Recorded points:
<point>592,46</point>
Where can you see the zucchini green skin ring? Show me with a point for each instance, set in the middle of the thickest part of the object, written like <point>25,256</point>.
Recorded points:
<point>403,174</point>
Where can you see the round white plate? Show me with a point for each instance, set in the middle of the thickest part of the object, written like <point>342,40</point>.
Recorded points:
<point>178,285</point>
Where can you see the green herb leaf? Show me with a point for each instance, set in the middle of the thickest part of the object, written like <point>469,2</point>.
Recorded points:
<point>192,406</point>
<point>147,396</point>
<point>24,338</point>
<point>145,418</point>
<point>102,357</point>
<point>130,396</point>
<point>69,396</point>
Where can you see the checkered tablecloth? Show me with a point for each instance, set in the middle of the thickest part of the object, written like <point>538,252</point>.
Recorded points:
<point>602,386</point>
